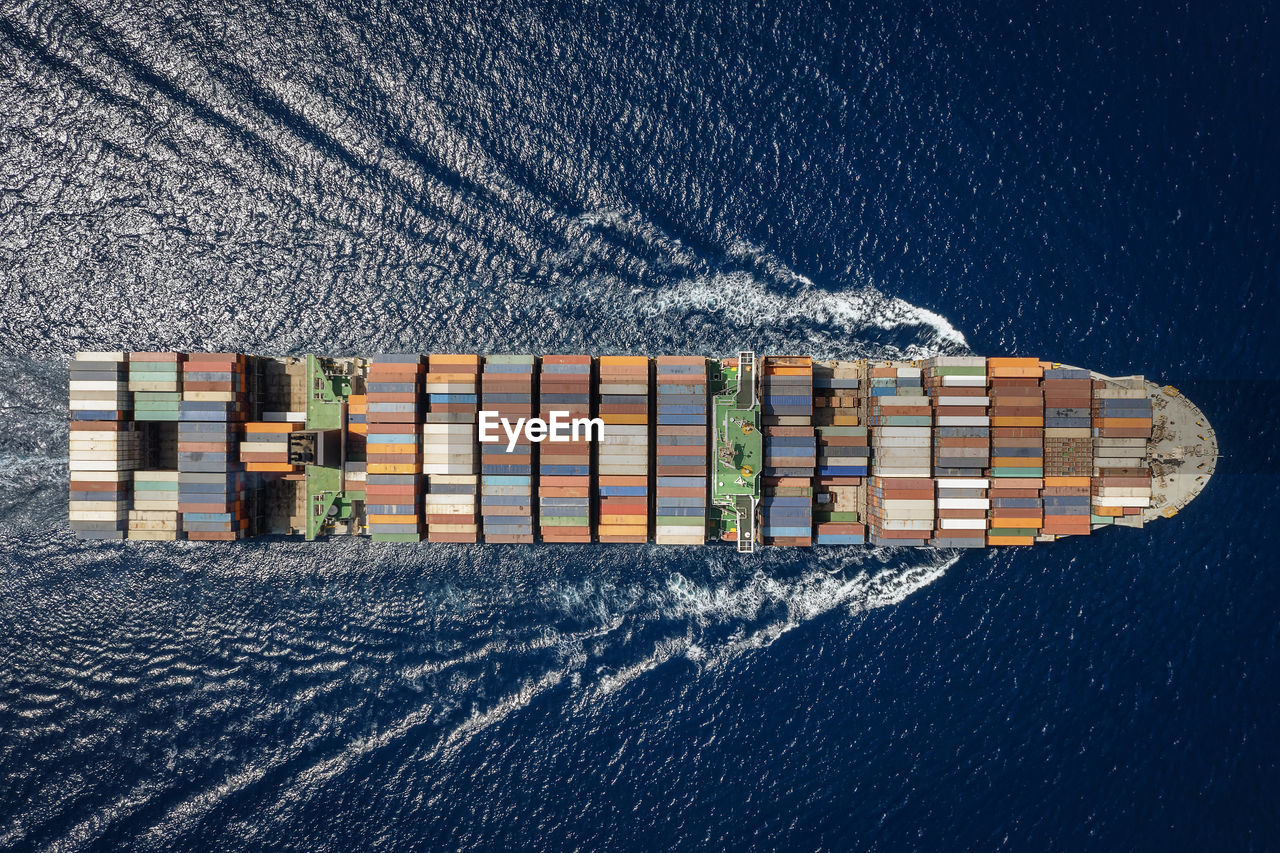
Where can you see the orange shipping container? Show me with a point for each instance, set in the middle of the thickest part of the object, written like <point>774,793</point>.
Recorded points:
<point>1011,540</point>
<point>392,468</point>
<point>1066,481</point>
<point>393,519</point>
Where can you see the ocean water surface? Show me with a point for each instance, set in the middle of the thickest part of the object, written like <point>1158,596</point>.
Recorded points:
<point>1095,184</point>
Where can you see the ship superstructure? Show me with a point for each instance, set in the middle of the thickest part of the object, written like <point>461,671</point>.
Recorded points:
<point>781,451</point>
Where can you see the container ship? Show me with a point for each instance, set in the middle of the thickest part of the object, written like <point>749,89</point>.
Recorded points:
<point>744,452</point>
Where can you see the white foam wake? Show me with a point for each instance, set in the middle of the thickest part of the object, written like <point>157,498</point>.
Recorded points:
<point>827,322</point>
<point>748,610</point>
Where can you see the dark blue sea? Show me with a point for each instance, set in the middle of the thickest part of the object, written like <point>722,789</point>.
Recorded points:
<point>1093,183</point>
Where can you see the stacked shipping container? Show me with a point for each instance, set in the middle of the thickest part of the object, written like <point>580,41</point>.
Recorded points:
<point>211,485</point>
<point>450,452</point>
<point>104,447</point>
<point>1121,419</point>
<point>155,515</point>
<point>1017,451</point>
<point>506,481</point>
<point>355,470</point>
<point>623,460</point>
<point>961,449</point>
<point>836,398</point>
<point>564,468</point>
<point>786,390</point>
<point>265,447</point>
<point>681,507</point>
<point>1068,451</point>
<point>155,378</point>
<point>843,453</point>
<point>900,495</point>
<point>790,450</point>
<point>393,463</point>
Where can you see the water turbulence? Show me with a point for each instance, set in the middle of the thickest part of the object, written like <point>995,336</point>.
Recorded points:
<point>269,668</point>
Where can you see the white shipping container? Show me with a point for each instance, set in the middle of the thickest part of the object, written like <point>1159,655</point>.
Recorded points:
<point>968,421</point>
<point>145,512</point>
<point>154,535</point>
<point>155,506</point>
<point>901,471</point>
<point>1113,393</point>
<point>452,528</point>
<point>623,458</point>
<point>441,468</point>
<point>964,503</point>
<point>209,396</point>
<point>107,404</point>
<point>78,465</point>
<point>667,536</point>
<point>78,448</point>
<point>961,452</point>
<point>449,388</point>
<point>99,435</point>
<point>96,385</point>
<point>117,455</point>
<point>617,451</point>
<point>447,454</point>
<point>963,483</point>
<point>962,523</point>
<point>964,401</point>
<point>1124,491</point>
<point>637,389</point>
<point>1116,462</point>
<point>94,355</point>
<point>266,447</point>
<point>104,476</point>
<point>622,441</point>
<point>449,444</point>
<point>908,373</point>
<point>958,361</point>
<point>154,476</point>
<point>171,524</point>
<point>454,479</point>
<point>903,432</point>
<point>462,430</point>
<point>906,524</point>
<point>896,441</point>
<point>106,515</point>
<point>1120,502</point>
<point>115,439</point>
<point>611,430</point>
<point>608,469</point>
<point>453,509</point>
<point>913,400</point>
<point>964,381</point>
<point>1133,450</point>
